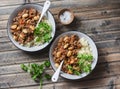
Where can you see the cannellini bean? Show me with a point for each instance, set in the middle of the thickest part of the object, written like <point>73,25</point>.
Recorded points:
<point>13,26</point>
<point>66,38</point>
<point>72,61</point>
<point>69,72</point>
<point>18,28</point>
<point>32,27</point>
<point>71,48</point>
<point>66,45</point>
<point>25,15</point>
<point>24,31</point>
<point>36,17</point>
<point>15,37</point>
<point>28,21</point>
<point>58,54</point>
<point>22,35</point>
<point>69,53</point>
<point>56,65</point>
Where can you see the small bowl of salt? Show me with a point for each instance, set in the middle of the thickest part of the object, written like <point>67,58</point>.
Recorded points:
<point>66,16</point>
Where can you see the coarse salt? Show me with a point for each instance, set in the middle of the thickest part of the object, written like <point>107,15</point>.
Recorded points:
<point>66,17</point>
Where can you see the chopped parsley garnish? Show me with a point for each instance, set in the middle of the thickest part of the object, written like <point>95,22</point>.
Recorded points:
<point>42,33</point>
<point>85,62</point>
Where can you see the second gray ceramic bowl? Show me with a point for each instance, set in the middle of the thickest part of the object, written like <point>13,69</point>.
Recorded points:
<point>94,52</point>
<point>39,9</point>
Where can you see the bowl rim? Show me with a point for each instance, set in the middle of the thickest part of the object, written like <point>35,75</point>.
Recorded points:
<point>35,48</point>
<point>69,76</point>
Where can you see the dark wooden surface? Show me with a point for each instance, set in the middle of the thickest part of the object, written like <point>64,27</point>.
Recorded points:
<point>100,19</point>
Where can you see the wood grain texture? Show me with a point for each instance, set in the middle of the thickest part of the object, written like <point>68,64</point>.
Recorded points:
<point>99,19</point>
<point>20,80</point>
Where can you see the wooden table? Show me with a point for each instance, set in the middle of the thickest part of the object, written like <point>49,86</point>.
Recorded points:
<point>100,19</point>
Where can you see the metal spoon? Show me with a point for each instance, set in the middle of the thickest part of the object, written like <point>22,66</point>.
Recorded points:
<point>45,8</point>
<point>56,74</point>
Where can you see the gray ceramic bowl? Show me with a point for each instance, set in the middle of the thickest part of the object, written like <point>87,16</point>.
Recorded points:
<point>39,9</point>
<point>94,52</point>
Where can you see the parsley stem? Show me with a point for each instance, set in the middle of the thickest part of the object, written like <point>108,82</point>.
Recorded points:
<point>41,82</point>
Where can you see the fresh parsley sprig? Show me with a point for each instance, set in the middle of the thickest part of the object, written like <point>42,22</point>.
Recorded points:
<point>37,71</point>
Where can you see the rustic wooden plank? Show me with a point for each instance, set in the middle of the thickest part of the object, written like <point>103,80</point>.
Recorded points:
<point>108,44</point>
<point>85,15</point>
<point>3,33</point>
<point>102,70</point>
<point>98,14</point>
<point>105,87</point>
<point>15,68</point>
<point>106,36</point>
<point>95,26</point>
<point>107,23</point>
<point>16,2</point>
<point>52,86</point>
<point>7,9</point>
<point>21,79</point>
<point>82,2</point>
<point>81,9</point>
<point>117,87</point>
<point>19,56</point>
<point>18,80</point>
<point>105,69</point>
<point>88,15</point>
<point>4,39</point>
<point>85,4</point>
<point>45,86</point>
<point>87,85</point>
<point>110,57</point>
<point>4,17</point>
<point>11,2</point>
<point>11,69</point>
<point>3,24</point>
<point>82,6</point>
<point>7,46</point>
<point>110,50</point>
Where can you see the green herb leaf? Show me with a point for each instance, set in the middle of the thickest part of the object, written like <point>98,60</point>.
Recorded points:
<point>88,57</point>
<point>87,68</point>
<point>47,63</point>
<point>34,77</point>
<point>76,72</point>
<point>47,37</point>
<point>69,67</point>
<point>47,76</point>
<point>24,67</point>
